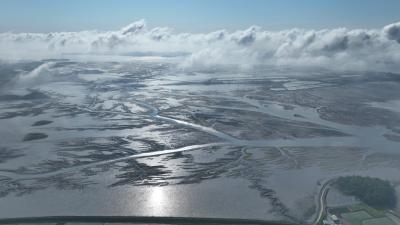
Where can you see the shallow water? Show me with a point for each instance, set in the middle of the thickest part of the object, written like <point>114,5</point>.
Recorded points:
<point>210,199</point>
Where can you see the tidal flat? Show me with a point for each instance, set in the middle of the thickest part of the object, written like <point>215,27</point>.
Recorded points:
<point>149,138</point>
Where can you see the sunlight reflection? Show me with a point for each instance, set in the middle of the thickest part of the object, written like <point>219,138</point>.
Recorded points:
<point>157,200</point>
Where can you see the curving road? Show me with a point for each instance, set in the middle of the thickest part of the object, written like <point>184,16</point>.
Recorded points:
<point>322,201</point>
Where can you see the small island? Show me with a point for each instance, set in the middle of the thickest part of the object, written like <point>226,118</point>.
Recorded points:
<point>34,136</point>
<point>41,123</point>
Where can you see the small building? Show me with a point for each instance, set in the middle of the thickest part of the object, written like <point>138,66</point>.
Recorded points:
<point>335,219</point>
<point>326,222</point>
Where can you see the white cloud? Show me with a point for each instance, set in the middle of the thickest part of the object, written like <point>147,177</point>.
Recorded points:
<point>334,49</point>
<point>392,31</point>
<point>19,84</point>
<point>134,27</point>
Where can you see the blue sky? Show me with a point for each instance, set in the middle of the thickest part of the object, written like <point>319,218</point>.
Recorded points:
<point>195,15</point>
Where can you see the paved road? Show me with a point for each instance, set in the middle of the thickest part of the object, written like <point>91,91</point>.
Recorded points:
<point>322,201</point>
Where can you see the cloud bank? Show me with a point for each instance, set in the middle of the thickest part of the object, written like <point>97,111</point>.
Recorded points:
<point>361,49</point>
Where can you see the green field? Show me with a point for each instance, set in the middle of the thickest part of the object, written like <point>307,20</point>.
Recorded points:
<point>371,211</point>
<point>356,218</point>
<point>378,221</point>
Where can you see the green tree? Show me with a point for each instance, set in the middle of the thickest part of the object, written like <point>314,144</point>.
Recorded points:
<point>372,191</point>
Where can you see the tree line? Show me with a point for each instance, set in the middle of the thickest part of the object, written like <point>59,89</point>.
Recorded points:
<point>375,192</point>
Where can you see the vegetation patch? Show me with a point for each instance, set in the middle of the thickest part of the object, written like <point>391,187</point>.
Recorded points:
<point>371,211</point>
<point>356,218</point>
<point>378,221</point>
<point>374,192</point>
<point>339,210</point>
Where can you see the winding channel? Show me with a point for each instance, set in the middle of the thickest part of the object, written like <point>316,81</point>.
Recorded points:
<point>226,139</point>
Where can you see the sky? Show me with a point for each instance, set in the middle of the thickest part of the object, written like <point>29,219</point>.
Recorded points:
<point>195,15</point>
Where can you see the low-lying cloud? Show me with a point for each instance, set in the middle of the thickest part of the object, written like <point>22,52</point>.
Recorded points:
<point>361,49</point>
